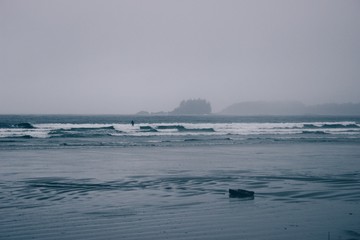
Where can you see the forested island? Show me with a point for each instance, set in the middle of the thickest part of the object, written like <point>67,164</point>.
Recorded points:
<point>193,106</point>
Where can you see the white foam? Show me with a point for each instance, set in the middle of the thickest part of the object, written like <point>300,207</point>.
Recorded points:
<point>43,130</point>
<point>14,132</point>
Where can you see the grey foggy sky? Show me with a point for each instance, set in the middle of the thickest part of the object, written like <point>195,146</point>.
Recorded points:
<point>85,56</point>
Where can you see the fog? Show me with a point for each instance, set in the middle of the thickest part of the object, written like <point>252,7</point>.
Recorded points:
<point>120,57</point>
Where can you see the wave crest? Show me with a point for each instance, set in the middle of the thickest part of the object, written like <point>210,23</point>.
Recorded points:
<point>24,125</point>
<point>330,125</point>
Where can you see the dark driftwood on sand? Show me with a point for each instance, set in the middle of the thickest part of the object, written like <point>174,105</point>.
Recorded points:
<point>241,193</point>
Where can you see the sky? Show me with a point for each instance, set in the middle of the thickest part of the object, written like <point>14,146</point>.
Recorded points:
<point>124,56</point>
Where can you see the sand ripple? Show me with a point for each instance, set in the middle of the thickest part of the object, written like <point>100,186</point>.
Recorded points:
<point>273,187</point>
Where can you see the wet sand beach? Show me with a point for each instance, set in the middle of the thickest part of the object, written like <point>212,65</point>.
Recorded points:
<point>302,191</point>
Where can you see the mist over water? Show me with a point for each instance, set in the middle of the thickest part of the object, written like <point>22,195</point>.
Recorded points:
<point>121,57</point>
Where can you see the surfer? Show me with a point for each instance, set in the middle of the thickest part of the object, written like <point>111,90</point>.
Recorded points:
<point>132,122</point>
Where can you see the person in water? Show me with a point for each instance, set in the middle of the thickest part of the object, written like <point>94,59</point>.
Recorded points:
<point>132,123</point>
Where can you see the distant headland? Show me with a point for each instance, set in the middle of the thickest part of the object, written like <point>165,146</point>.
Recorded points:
<point>291,108</point>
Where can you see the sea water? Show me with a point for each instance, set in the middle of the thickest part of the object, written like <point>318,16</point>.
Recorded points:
<point>167,177</point>
<point>52,131</point>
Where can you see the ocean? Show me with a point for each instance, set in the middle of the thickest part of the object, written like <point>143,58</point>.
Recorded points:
<point>52,131</point>
<point>167,177</point>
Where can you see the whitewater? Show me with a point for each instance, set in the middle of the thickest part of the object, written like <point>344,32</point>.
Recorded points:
<point>59,131</point>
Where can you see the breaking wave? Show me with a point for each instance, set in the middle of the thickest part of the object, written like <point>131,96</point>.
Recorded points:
<point>92,129</point>
<point>181,128</point>
<point>21,136</point>
<point>314,132</point>
<point>176,132</point>
<point>171,127</point>
<point>82,132</point>
<point>331,125</point>
<point>177,128</point>
<point>24,125</point>
<point>147,129</point>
